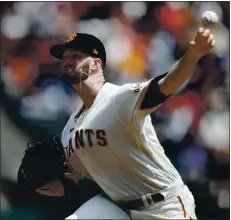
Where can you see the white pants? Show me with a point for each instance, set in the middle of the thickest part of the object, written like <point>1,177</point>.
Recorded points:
<point>178,204</point>
<point>99,208</point>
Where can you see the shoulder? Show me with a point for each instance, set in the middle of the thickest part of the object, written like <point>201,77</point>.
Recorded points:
<point>117,93</point>
<point>130,90</point>
<point>109,89</point>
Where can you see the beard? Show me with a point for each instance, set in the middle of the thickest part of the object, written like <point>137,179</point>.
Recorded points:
<point>72,76</point>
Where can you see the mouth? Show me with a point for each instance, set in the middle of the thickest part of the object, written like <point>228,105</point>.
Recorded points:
<point>69,70</point>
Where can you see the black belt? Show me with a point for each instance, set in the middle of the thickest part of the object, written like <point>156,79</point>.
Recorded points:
<point>138,203</point>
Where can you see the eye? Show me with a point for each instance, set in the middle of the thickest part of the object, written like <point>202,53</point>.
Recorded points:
<point>75,56</point>
<point>72,57</point>
<point>69,56</point>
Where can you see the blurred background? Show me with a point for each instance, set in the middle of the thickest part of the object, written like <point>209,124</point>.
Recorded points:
<point>142,40</point>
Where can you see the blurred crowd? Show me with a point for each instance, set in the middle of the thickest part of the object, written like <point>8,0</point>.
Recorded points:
<point>142,40</point>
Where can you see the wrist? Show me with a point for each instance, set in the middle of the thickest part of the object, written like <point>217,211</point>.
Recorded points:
<point>193,57</point>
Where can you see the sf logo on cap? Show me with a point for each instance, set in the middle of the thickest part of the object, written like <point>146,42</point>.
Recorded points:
<point>71,38</point>
<point>95,51</point>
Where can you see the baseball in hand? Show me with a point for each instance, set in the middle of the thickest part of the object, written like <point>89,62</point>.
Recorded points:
<point>209,19</point>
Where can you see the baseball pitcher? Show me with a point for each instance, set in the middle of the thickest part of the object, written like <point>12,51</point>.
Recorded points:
<point>112,135</point>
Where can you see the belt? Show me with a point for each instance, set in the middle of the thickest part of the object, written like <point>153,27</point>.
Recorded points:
<point>151,198</point>
<point>138,203</point>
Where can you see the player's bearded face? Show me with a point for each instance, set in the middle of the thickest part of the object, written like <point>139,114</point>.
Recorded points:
<point>76,67</point>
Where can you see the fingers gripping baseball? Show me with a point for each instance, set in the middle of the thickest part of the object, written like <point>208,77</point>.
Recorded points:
<point>203,42</point>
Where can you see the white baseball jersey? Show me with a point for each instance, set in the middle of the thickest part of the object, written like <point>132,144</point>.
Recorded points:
<point>117,144</point>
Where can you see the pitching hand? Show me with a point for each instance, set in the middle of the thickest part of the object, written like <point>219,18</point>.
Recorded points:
<point>202,44</point>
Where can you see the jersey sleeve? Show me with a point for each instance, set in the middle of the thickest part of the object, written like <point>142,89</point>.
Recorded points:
<point>133,102</point>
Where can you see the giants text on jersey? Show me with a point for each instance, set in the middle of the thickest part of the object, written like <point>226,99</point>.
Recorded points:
<point>116,142</point>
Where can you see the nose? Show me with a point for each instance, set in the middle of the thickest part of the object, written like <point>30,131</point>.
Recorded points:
<point>68,62</point>
<point>68,59</point>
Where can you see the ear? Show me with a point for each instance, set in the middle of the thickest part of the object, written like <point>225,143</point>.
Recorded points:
<point>96,64</point>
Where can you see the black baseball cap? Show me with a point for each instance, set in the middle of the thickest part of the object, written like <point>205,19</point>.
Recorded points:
<point>85,43</point>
